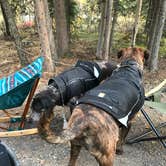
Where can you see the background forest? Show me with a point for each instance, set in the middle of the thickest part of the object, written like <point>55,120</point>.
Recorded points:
<point>67,30</point>
<point>96,29</point>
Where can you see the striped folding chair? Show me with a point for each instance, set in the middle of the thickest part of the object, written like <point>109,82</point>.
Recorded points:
<point>14,89</point>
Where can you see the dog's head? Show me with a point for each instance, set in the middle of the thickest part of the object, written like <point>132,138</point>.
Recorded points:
<point>138,54</point>
<point>44,101</point>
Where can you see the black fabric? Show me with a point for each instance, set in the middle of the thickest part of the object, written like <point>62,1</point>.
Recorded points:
<point>121,95</point>
<point>77,80</point>
<point>4,157</point>
<point>89,67</point>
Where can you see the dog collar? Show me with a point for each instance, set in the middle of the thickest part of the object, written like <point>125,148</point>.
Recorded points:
<point>133,63</point>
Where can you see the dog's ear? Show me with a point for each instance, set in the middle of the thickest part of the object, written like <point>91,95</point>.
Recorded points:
<point>146,54</point>
<point>120,53</point>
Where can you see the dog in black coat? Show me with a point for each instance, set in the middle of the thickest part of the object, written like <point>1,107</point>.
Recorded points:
<point>58,93</point>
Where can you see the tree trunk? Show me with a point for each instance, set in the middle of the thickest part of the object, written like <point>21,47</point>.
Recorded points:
<point>135,28</point>
<point>7,30</point>
<point>152,24</point>
<point>40,10</point>
<point>101,31</point>
<point>159,25</point>
<point>148,17</point>
<point>67,5</point>
<point>107,29</point>
<point>61,28</point>
<point>115,16</point>
<point>14,32</point>
<point>50,33</point>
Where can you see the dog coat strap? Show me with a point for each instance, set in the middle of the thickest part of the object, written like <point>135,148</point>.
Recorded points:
<point>77,80</point>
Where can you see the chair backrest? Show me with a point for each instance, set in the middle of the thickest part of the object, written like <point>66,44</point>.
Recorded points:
<point>15,88</point>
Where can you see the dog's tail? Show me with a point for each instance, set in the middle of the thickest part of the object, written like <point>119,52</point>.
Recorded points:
<point>75,127</point>
<point>63,137</point>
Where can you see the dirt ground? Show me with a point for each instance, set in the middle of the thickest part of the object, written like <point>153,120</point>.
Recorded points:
<point>33,151</point>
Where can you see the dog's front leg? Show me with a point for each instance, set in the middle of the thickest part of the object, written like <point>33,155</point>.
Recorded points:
<point>74,153</point>
<point>44,124</point>
<point>122,136</point>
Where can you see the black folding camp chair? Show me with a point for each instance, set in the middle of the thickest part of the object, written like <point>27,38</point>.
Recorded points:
<point>7,156</point>
<point>150,100</point>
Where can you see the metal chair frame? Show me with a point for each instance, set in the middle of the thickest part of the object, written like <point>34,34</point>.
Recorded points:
<point>153,129</point>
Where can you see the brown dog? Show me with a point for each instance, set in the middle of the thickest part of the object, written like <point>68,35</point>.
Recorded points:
<point>91,125</point>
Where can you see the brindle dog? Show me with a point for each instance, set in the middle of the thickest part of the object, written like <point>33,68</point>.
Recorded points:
<point>90,126</point>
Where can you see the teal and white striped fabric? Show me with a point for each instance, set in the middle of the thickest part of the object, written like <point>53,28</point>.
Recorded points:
<point>21,76</point>
<point>15,87</point>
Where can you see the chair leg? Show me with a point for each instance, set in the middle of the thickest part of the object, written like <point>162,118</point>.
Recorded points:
<point>23,118</point>
<point>153,128</point>
<point>140,137</point>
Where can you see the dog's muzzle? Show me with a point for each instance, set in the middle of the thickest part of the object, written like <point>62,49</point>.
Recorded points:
<point>35,116</point>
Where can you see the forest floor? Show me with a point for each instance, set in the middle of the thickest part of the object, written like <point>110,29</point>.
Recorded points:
<point>33,151</point>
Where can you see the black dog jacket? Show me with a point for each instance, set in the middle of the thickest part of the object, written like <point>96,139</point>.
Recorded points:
<point>121,95</point>
<point>77,80</point>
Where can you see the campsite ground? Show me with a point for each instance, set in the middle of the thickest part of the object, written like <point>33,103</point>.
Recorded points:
<point>33,151</point>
